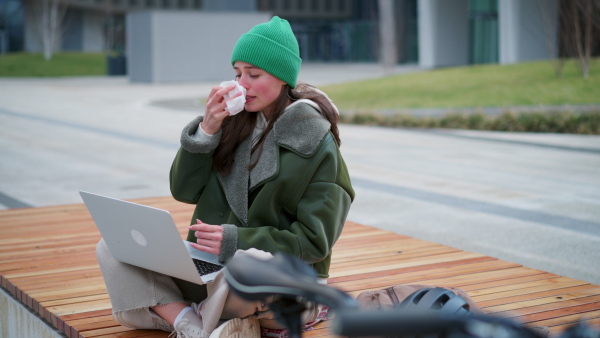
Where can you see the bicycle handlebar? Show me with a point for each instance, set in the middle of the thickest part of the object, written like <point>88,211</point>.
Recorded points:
<point>281,275</point>
<point>292,282</point>
<point>385,323</point>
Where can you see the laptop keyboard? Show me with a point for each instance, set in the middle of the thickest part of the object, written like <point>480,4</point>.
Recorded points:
<point>204,268</point>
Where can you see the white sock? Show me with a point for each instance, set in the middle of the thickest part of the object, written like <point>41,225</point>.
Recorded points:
<point>199,308</point>
<point>181,314</point>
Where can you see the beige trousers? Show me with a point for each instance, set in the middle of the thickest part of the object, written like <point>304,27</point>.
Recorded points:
<point>135,289</point>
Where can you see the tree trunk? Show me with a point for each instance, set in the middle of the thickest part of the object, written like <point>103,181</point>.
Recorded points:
<point>551,23</point>
<point>109,26</point>
<point>49,15</point>
<point>588,39</point>
<point>583,16</point>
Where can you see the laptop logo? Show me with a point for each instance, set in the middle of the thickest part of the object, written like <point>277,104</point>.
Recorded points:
<point>139,238</point>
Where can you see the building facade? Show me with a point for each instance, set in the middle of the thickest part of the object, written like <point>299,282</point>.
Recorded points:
<point>431,33</point>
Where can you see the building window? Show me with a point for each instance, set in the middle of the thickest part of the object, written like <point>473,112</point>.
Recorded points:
<point>483,31</point>
<point>272,4</point>
<point>11,26</point>
<point>315,5</point>
<point>342,6</point>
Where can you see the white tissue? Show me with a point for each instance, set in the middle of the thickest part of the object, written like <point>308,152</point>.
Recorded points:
<point>237,104</point>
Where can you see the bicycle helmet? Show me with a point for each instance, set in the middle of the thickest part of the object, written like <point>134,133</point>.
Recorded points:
<point>436,299</point>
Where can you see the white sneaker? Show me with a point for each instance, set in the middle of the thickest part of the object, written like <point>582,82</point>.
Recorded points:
<point>190,326</point>
<point>238,328</point>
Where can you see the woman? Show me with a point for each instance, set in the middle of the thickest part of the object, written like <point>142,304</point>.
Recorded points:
<point>269,178</point>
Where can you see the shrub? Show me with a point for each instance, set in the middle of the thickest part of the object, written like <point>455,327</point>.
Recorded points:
<point>478,121</point>
<point>507,121</point>
<point>533,122</point>
<point>367,119</point>
<point>548,122</point>
<point>402,120</point>
<point>587,123</point>
<point>453,121</point>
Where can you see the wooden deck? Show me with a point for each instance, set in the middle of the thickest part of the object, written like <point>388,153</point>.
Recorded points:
<point>47,261</point>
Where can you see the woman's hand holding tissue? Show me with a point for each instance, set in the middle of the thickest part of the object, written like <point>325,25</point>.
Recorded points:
<point>216,105</point>
<point>235,101</point>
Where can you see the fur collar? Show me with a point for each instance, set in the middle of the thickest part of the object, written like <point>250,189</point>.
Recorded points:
<point>300,129</point>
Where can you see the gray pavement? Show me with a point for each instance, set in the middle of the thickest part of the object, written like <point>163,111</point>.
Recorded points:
<point>533,199</point>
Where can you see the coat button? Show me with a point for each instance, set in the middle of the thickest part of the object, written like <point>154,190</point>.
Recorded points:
<point>221,214</point>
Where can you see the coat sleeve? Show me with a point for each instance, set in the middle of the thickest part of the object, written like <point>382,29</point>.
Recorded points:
<point>192,165</point>
<point>320,209</point>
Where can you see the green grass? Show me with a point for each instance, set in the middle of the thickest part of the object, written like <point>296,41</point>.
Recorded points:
<point>523,84</point>
<point>61,64</point>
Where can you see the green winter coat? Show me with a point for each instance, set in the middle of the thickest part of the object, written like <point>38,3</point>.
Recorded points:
<point>295,200</point>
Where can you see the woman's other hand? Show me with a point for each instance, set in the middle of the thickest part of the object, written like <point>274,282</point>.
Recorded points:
<point>216,111</point>
<point>209,237</point>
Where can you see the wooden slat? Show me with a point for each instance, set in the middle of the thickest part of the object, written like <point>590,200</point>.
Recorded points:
<point>47,261</point>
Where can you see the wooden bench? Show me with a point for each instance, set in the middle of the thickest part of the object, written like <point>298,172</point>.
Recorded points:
<point>47,261</point>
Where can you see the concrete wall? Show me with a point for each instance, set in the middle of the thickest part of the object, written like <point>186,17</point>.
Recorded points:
<point>528,31</point>
<point>184,46</point>
<point>443,33</point>
<point>16,321</point>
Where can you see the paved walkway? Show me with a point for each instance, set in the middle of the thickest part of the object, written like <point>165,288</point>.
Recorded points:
<point>533,199</point>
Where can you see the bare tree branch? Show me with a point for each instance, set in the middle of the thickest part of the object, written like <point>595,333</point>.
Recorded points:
<point>579,19</point>
<point>551,32</point>
<point>49,16</point>
<point>588,38</point>
<point>109,23</point>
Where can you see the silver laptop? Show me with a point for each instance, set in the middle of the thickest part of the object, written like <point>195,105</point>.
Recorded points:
<point>148,237</point>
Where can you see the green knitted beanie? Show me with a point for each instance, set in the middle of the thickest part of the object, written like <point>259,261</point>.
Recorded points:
<point>272,47</point>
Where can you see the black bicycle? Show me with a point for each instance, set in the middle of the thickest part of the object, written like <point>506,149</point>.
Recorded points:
<point>293,284</point>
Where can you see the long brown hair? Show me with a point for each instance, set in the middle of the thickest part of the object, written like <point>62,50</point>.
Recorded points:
<point>237,128</point>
